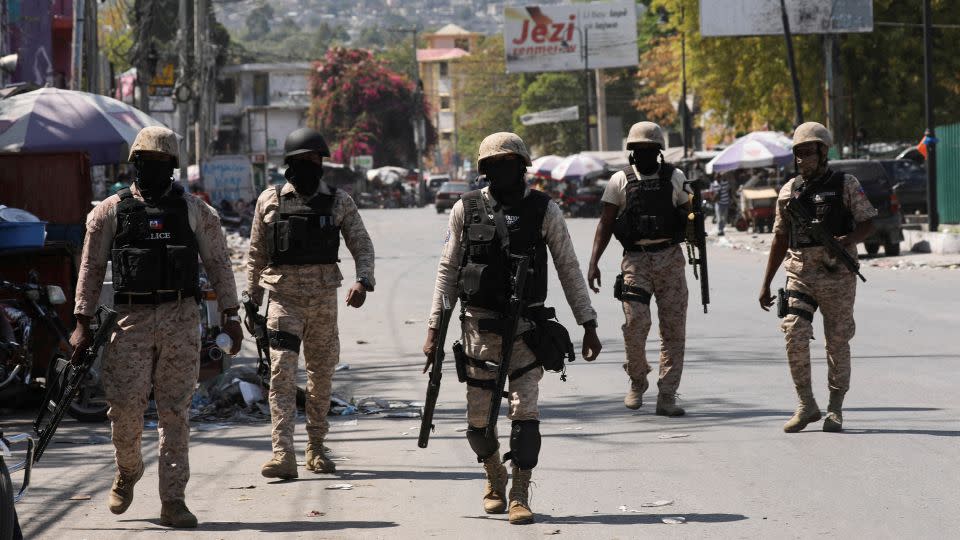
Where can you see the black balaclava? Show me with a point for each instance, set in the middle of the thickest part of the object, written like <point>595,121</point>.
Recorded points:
<point>154,178</point>
<point>305,175</point>
<point>812,167</point>
<point>506,178</point>
<point>646,159</point>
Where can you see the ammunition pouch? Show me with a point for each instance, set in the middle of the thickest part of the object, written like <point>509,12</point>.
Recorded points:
<point>629,293</point>
<point>550,343</point>
<point>284,341</point>
<point>164,268</point>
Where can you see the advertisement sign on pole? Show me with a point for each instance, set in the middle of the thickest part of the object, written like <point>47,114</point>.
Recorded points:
<point>719,18</point>
<point>550,116</point>
<point>228,178</point>
<point>551,38</point>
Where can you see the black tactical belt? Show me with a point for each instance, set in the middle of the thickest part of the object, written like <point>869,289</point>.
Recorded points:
<point>649,248</point>
<point>800,312</point>
<point>490,384</point>
<point>631,293</point>
<point>803,297</point>
<point>284,341</point>
<point>533,313</point>
<point>152,299</point>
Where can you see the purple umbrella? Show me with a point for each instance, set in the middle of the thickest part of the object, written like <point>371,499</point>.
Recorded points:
<point>55,120</point>
<point>757,149</point>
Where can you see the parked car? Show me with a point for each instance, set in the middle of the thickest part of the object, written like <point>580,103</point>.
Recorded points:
<point>448,194</point>
<point>878,186</point>
<point>910,181</point>
<point>435,181</point>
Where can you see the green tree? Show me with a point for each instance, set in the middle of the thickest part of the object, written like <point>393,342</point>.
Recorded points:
<point>552,91</point>
<point>258,22</point>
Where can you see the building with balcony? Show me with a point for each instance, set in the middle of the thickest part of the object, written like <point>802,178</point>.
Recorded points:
<point>441,70</point>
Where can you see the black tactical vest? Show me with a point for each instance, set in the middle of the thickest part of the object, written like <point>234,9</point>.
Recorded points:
<point>650,212</point>
<point>304,232</point>
<point>824,201</point>
<point>485,269</point>
<point>155,249</point>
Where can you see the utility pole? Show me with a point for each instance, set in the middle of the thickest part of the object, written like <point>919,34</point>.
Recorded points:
<point>585,42</point>
<point>92,82</point>
<point>930,137</point>
<point>76,60</point>
<point>182,108</point>
<point>200,75</point>
<point>685,112</point>
<point>798,118</point>
<point>601,110</point>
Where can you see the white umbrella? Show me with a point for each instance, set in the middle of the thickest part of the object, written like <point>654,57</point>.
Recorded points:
<point>543,165</point>
<point>576,167</point>
<point>754,150</point>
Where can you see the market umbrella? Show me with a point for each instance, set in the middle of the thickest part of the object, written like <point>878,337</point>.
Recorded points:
<point>55,120</point>
<point>757,149</point>
<point>543,165</point>
<point>576,167</point>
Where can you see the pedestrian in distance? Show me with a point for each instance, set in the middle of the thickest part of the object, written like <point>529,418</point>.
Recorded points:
<point>493,233</point>
<point>817,276</point>
<point>154,233</point>
<point>646,207</point>
<point>294,251</point>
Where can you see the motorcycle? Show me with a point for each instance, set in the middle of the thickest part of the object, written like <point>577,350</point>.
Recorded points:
<point>34,343</point>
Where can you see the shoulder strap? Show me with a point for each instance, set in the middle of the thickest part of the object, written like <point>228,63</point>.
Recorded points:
<point>472,201</point>
<point>628,170</point>
<point>125,193</point>
<point>666,171</point>
<point>278,188</point>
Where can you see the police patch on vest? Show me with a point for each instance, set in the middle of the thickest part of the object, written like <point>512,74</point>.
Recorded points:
<point>511,219</point>
<point>822,196</point>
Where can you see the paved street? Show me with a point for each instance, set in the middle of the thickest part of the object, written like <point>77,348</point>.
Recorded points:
<point>728,469</point>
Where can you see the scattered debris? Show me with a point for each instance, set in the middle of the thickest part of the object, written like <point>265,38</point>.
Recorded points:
<point>251,393</point>
<point>551,533</point>
<point>657,504</point>
<point>578,428</point>
<point>80,498</point>
<point>93,439</point>
<point>241,499</point>
<point>315,513</point>
<point>244,487</point>
<point>362,342</point>
<point>413,321</point>
<point>673,435</point>
<point>404,414</point>
<point>342,367</point>
<point>337,458</point>
<point>343,487</point>
<point>674,520</point>
<point>348,423</point>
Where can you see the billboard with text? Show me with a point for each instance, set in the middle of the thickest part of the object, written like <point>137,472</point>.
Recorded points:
<point>720,18</point>
<point>554,38</point>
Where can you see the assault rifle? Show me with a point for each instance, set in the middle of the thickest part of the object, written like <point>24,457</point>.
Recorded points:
<point>508,334</point>
<point>802,217</point>
<point>256,324</point>
<point>697,243</point>
<point>63,390</point>
<point>436,373</point>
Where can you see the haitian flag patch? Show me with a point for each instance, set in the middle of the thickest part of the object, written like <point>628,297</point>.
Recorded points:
<point>156,224</point>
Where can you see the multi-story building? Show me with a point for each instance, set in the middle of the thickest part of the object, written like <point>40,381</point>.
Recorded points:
<point>441,71</point>
<point>258,105</point>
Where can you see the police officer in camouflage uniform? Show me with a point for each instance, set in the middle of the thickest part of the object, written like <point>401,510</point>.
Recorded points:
<point>814,277</point>
<point>294,247</point>
<point>474,265</point>
<point>645,206</point>
<point>154,233</point>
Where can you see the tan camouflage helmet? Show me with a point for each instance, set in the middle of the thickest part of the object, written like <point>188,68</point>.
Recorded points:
<point>646,133</point>
<point>156,139</point>
<point>812,132</point>
<point>502,144</point>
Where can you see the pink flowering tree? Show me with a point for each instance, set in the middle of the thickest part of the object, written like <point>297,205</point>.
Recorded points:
<point>364,108</point>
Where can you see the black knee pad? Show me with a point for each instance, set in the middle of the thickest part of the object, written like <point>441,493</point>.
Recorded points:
<point>483,446</point>
<point>524,444</point>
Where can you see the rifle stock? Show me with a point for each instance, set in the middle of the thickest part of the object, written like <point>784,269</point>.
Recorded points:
<point>817,231</point>
<point>436,373</point>
<point>507,337</point>
<point>61,393</point>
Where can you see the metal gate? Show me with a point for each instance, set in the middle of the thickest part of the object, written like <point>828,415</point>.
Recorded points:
<point>948,173</point>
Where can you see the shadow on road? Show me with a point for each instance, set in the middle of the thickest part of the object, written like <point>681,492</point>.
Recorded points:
<point>931,432</point>
<point>237,526</point>
<point>627,519</point>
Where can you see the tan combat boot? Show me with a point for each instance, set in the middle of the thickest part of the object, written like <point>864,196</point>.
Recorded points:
<point>667,405</point>
<point>495,495</point>
<point>807,411</point>
<point>634,397</point>
<point>834,421</point>
<point>317,461</point>
<point>121,494</point>
<point>283,465</point>
<point>176,514</point>
<point>520,513</point>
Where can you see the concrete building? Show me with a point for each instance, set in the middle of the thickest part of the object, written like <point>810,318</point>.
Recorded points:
<point>442,74</point>
<point>258,105</point>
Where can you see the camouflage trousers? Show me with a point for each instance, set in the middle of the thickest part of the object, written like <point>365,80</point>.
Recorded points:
<point>662,275</point>
<point>154,348</point>
<point>835,294</point>
<point>523,391</point>
<point>311,317</point>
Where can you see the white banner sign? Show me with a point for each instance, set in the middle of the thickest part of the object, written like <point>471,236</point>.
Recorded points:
<point>228,178</point>
<point>550,116</point>
<point>763,17</point>
<point>553,38</point>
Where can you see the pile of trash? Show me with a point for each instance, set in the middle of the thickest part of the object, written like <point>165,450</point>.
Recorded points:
<point>238,245</point>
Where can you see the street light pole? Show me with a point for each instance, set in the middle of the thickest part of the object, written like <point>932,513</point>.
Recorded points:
<point>798,119</point>
<point>683,86</point>
<point>585,42</point>
<point>929,136</point>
